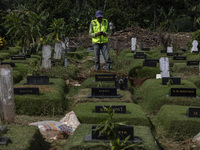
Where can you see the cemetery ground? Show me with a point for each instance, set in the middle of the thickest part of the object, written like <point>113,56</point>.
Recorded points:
<point>159,119</point>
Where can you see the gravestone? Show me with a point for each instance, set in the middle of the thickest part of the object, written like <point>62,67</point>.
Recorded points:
<point>105,77</point>
<point>151,60</point>
<point>191,63</point>
<point>121,83</point>
<point>193,112</point>
<point>169,49</point>
<point>7,105</point>
<point>170,54</point>
<point>163,51</point>
<point>3,129</point>
<point>63,49</point>
<point>140,55</point>
<point>164,67</point>
<point>123,132</point>
<point>174,80</point>
<point>194,46</point>
<point>3,140</point>
<point>185,92</point>
<point>121,109</point>
<point>179,58</point>
<point>26,90</point>
<point>104,92</point>
<point>175,54</point>
<point>67,43</point>
<point>149,64</point>
<point>46,58</point>
<point>57,50</point>
<point>12,64</point>
<point>38,80</point>
<point>133,44</point>
<point>18,57</point>
<point>145,49</point>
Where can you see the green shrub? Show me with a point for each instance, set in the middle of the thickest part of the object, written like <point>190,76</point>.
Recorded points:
<point>141,72</point>
<point>134,115</point>
<point>50,101</point>
<point>149,72</point>
<point>17,76</point>
<point>22,68</point>
<point>172,118</point>
<point>4,56</point>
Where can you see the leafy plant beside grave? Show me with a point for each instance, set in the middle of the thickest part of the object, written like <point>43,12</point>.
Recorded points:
<point>35,68</point>
<point>108,128</point>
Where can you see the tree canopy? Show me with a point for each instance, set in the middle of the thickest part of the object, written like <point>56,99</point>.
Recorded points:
<point>165,15</point>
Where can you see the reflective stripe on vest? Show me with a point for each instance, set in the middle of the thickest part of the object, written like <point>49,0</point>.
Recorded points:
<point>97,27</point>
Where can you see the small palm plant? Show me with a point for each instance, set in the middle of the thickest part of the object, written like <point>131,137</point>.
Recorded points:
<point>108,128</point>
<point>24,25</point>
<point>57,29</point>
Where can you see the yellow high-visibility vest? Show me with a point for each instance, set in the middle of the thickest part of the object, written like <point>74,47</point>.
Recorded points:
<point>100,27</point>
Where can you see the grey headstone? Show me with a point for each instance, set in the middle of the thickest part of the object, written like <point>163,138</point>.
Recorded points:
<point>194,46</point>
<point>46,58</point>
<point>57,50</point>
<point>133,44</point>
<point>169,49</point>
<point>164,66</point>
<point>7,105</point>
<point>67,42</point>
<point>102,60</point>
<point>63,49</point>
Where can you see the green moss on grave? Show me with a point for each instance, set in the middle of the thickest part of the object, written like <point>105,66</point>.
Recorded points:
<point>17,76</point>
<point>76,142</point>
<point>152,95</point>
<point>24,138</point>
<point>141,72</point>
<point>173,119</point>
<point>50,101</point>
<point>193,57</point>
<point>134,115</point>
<point>195,79</point>
<point>4,56</point>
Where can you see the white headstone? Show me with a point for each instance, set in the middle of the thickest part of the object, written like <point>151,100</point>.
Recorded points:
<point>194,46</point>
<point>158,76</point>
<point>7,105</point>
<point>57,50</point>
<point>133,44</point>
<point>164,66</point>
<point>46,58</point>
<point>169,49</point>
